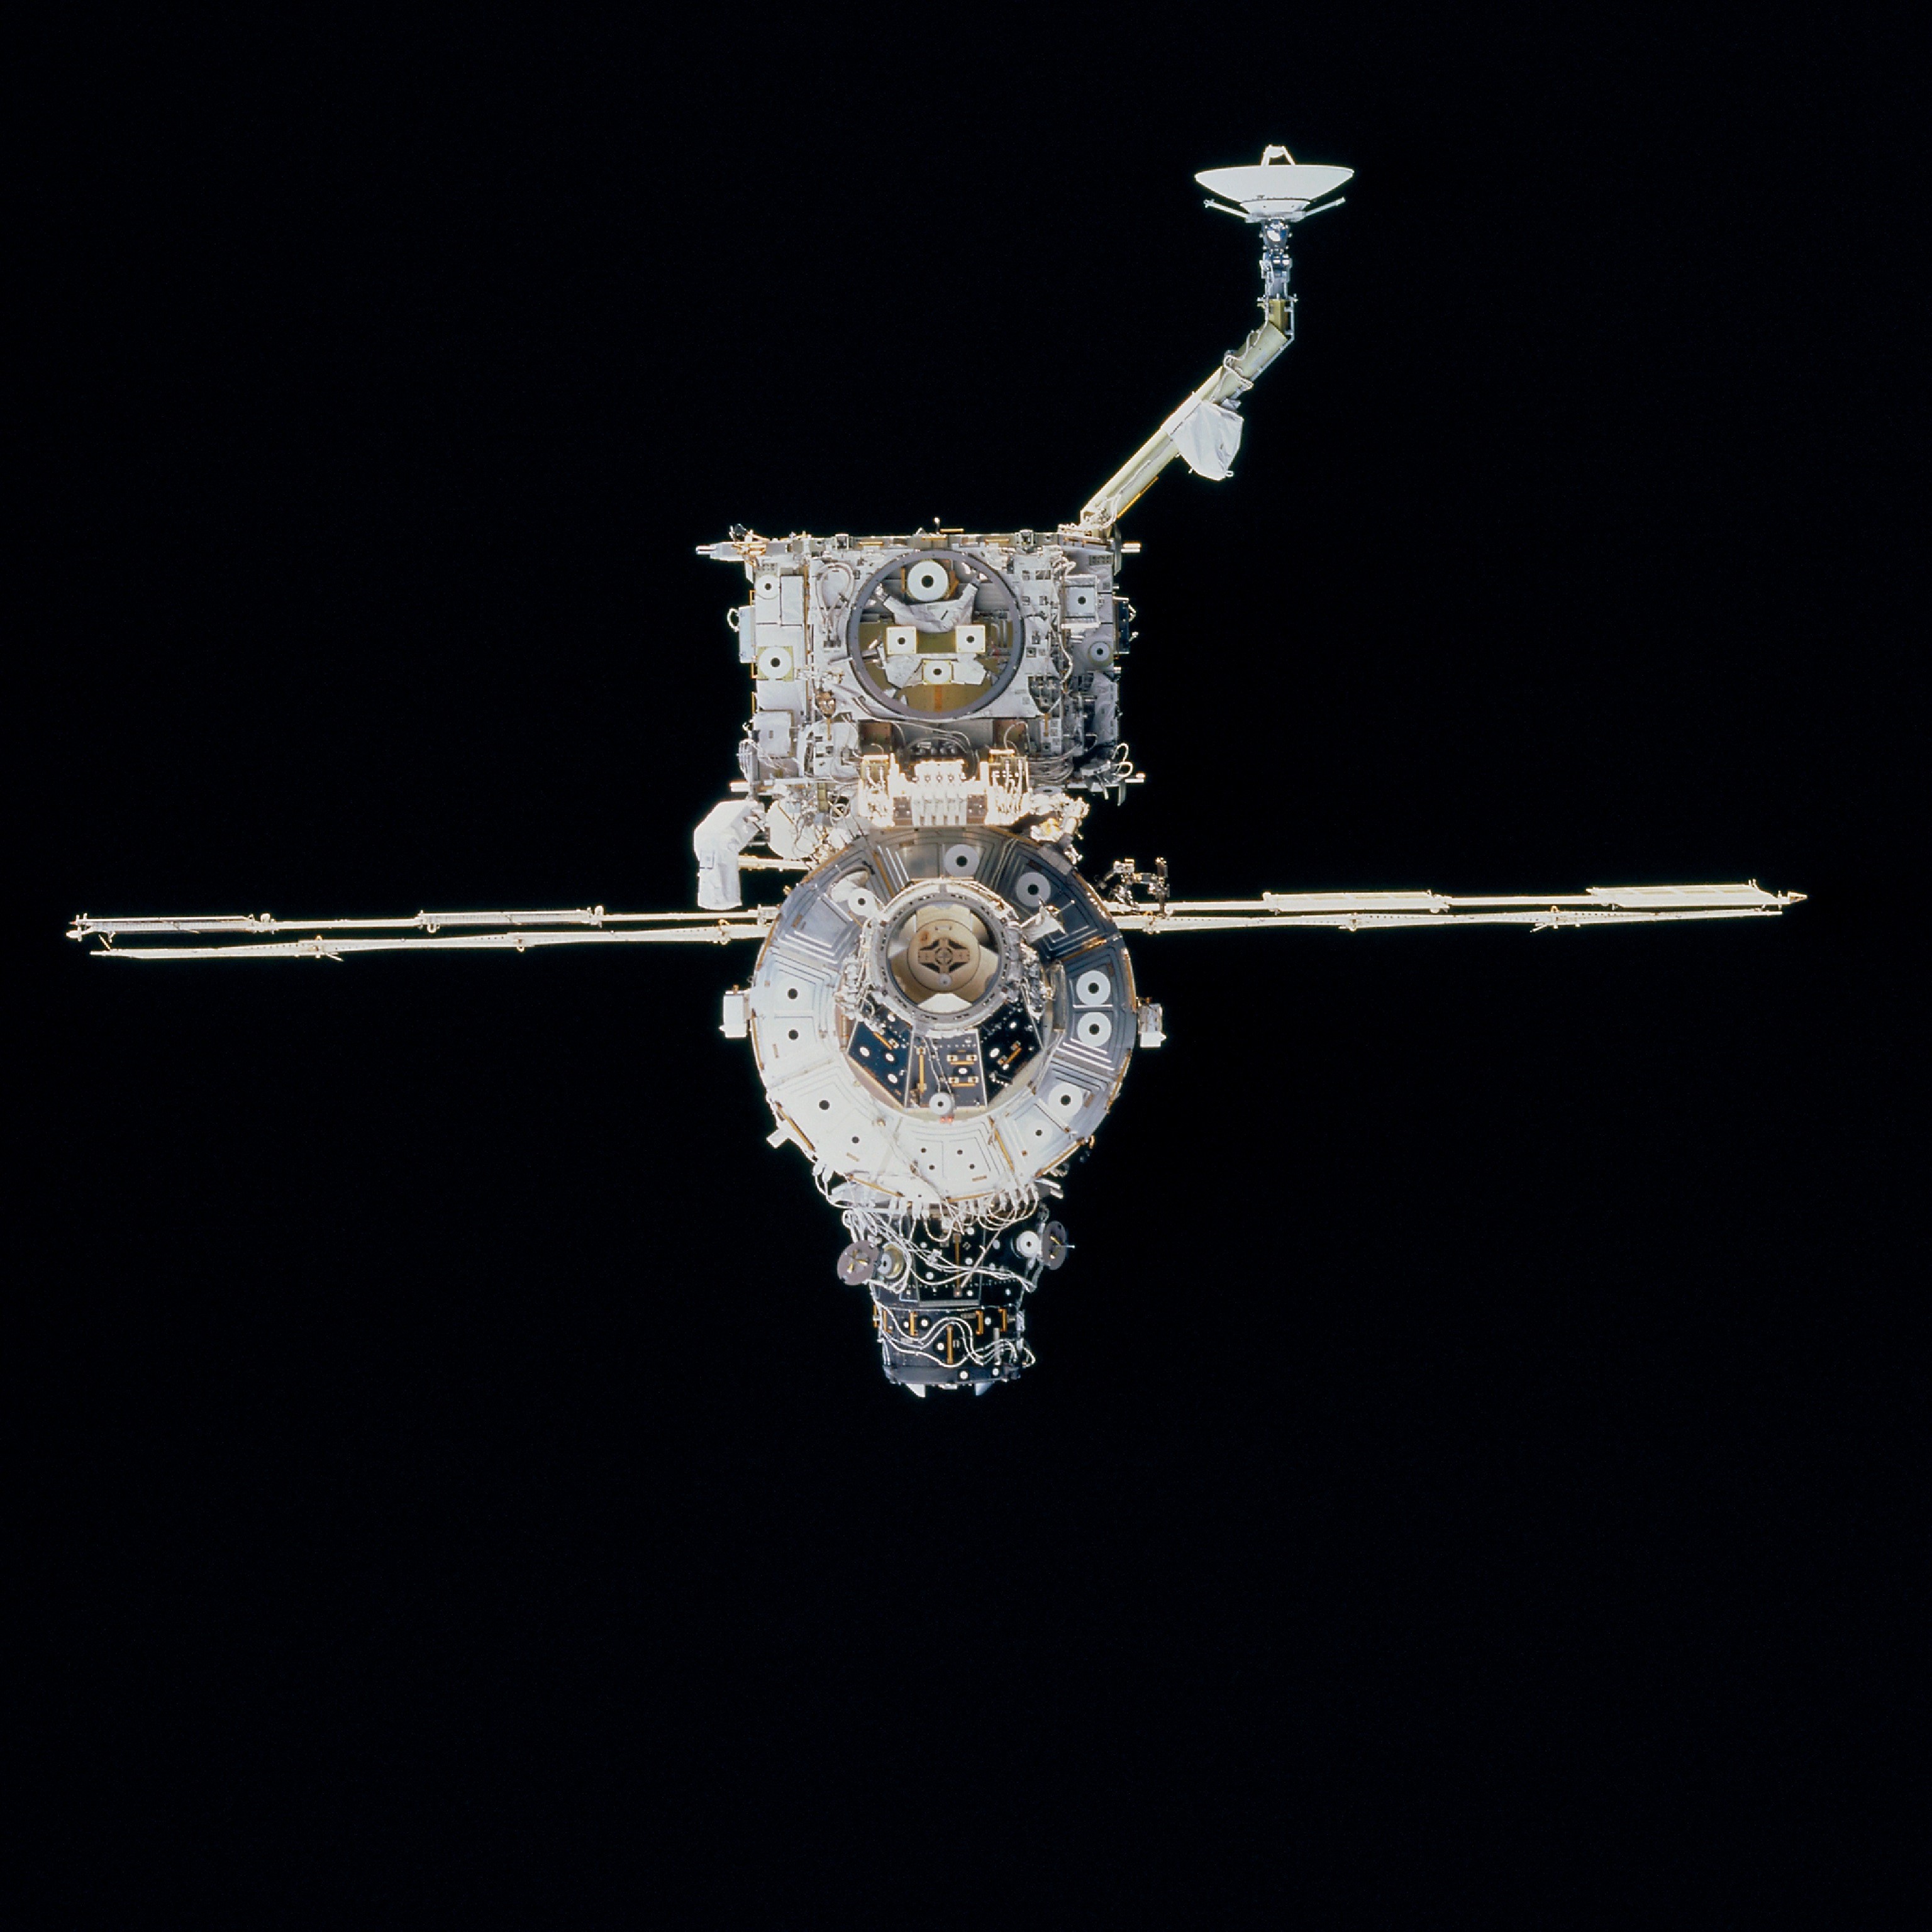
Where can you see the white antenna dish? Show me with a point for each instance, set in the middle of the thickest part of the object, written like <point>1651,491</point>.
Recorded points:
<point>1279,188</point>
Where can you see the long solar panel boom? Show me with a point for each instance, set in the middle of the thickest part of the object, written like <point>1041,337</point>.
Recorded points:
<point>1364,912</point>
<point>252,934</point>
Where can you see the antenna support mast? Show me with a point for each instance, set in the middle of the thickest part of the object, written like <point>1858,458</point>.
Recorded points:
<point>1206,430</point>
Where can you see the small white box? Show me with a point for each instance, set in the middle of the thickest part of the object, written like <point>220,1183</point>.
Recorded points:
<point>902,641</point>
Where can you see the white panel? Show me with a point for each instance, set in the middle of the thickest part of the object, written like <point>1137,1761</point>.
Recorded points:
<point>922,1150</point>
<point>860,1145</point>
<point>969,1167</point>
<point>790,1043</point>
<point>787,993</point>
<point>825,1106</point>
<point>1036,1141</point>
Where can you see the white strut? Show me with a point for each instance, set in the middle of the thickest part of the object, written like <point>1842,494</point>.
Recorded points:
<point>330,939</point>
<point>1359,912</point>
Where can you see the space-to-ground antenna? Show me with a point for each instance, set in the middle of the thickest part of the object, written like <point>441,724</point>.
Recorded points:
<point>1205,432</point>
<point>1277,188</point>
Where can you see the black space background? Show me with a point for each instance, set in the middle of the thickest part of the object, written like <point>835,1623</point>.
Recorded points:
<point>1453,1483</point>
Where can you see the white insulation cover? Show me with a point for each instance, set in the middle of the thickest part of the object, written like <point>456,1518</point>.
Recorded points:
<point>1206,435</point>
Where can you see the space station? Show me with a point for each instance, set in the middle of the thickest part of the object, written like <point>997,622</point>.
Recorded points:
<point>942,1008</point>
